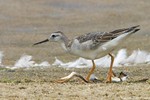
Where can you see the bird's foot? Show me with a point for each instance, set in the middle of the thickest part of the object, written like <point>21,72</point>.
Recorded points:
<point>87,79</point>
<point>109,77</point>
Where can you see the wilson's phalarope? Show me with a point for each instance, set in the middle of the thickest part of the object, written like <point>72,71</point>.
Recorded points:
<point>93,45</point>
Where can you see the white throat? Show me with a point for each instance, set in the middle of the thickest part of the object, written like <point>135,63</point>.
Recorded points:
<point>64,47</point>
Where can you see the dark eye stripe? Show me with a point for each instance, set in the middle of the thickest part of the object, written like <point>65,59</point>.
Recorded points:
<point>55,35</point>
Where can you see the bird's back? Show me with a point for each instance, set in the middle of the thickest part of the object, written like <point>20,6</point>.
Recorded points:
<point>90,44</point>
<point>102,37</point>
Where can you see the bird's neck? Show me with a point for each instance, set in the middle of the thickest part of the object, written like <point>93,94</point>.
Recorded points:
<point>65,43</point>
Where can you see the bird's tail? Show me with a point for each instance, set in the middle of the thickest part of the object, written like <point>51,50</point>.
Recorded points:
<point>126,30</point>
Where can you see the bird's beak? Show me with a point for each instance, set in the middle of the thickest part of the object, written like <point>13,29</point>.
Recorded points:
<point>41,42</point>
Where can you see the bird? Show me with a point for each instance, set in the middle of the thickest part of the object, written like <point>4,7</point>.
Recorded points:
<point>93,45</point>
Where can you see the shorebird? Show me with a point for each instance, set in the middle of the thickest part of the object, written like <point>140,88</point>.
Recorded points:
<point>93,45</point>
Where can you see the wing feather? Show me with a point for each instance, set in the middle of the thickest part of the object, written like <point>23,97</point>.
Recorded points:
<point>99,38</point>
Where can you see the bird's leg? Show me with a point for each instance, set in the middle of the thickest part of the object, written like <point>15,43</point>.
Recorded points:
<point>110,72</point>
<point>91,71</point>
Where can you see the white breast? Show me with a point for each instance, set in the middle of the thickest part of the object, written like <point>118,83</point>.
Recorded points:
<point>83,49</point>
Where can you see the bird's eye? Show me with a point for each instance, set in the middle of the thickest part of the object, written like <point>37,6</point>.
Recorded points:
<point>53,36</point>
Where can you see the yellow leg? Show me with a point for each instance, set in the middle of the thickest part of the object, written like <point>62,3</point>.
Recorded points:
<point>91,71</point>
<point>110,72</point>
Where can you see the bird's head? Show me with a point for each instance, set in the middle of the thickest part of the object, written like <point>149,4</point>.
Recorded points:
<point>54,37</point>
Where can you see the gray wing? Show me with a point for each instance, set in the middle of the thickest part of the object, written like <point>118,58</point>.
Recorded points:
<point>90,36</point>
<point>99,38</point>
<point>94,39</point>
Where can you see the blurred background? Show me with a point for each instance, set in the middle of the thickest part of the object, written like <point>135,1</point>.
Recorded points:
<point>24,22</point>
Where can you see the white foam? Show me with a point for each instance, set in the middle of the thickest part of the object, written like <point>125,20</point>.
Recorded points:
<point>121,56</point>
<point>137,57</point>
<point>42,64</point>
<point>26,61</point>
<point>1,57</point>
<point>121,59</point>
<point>57,62</point>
